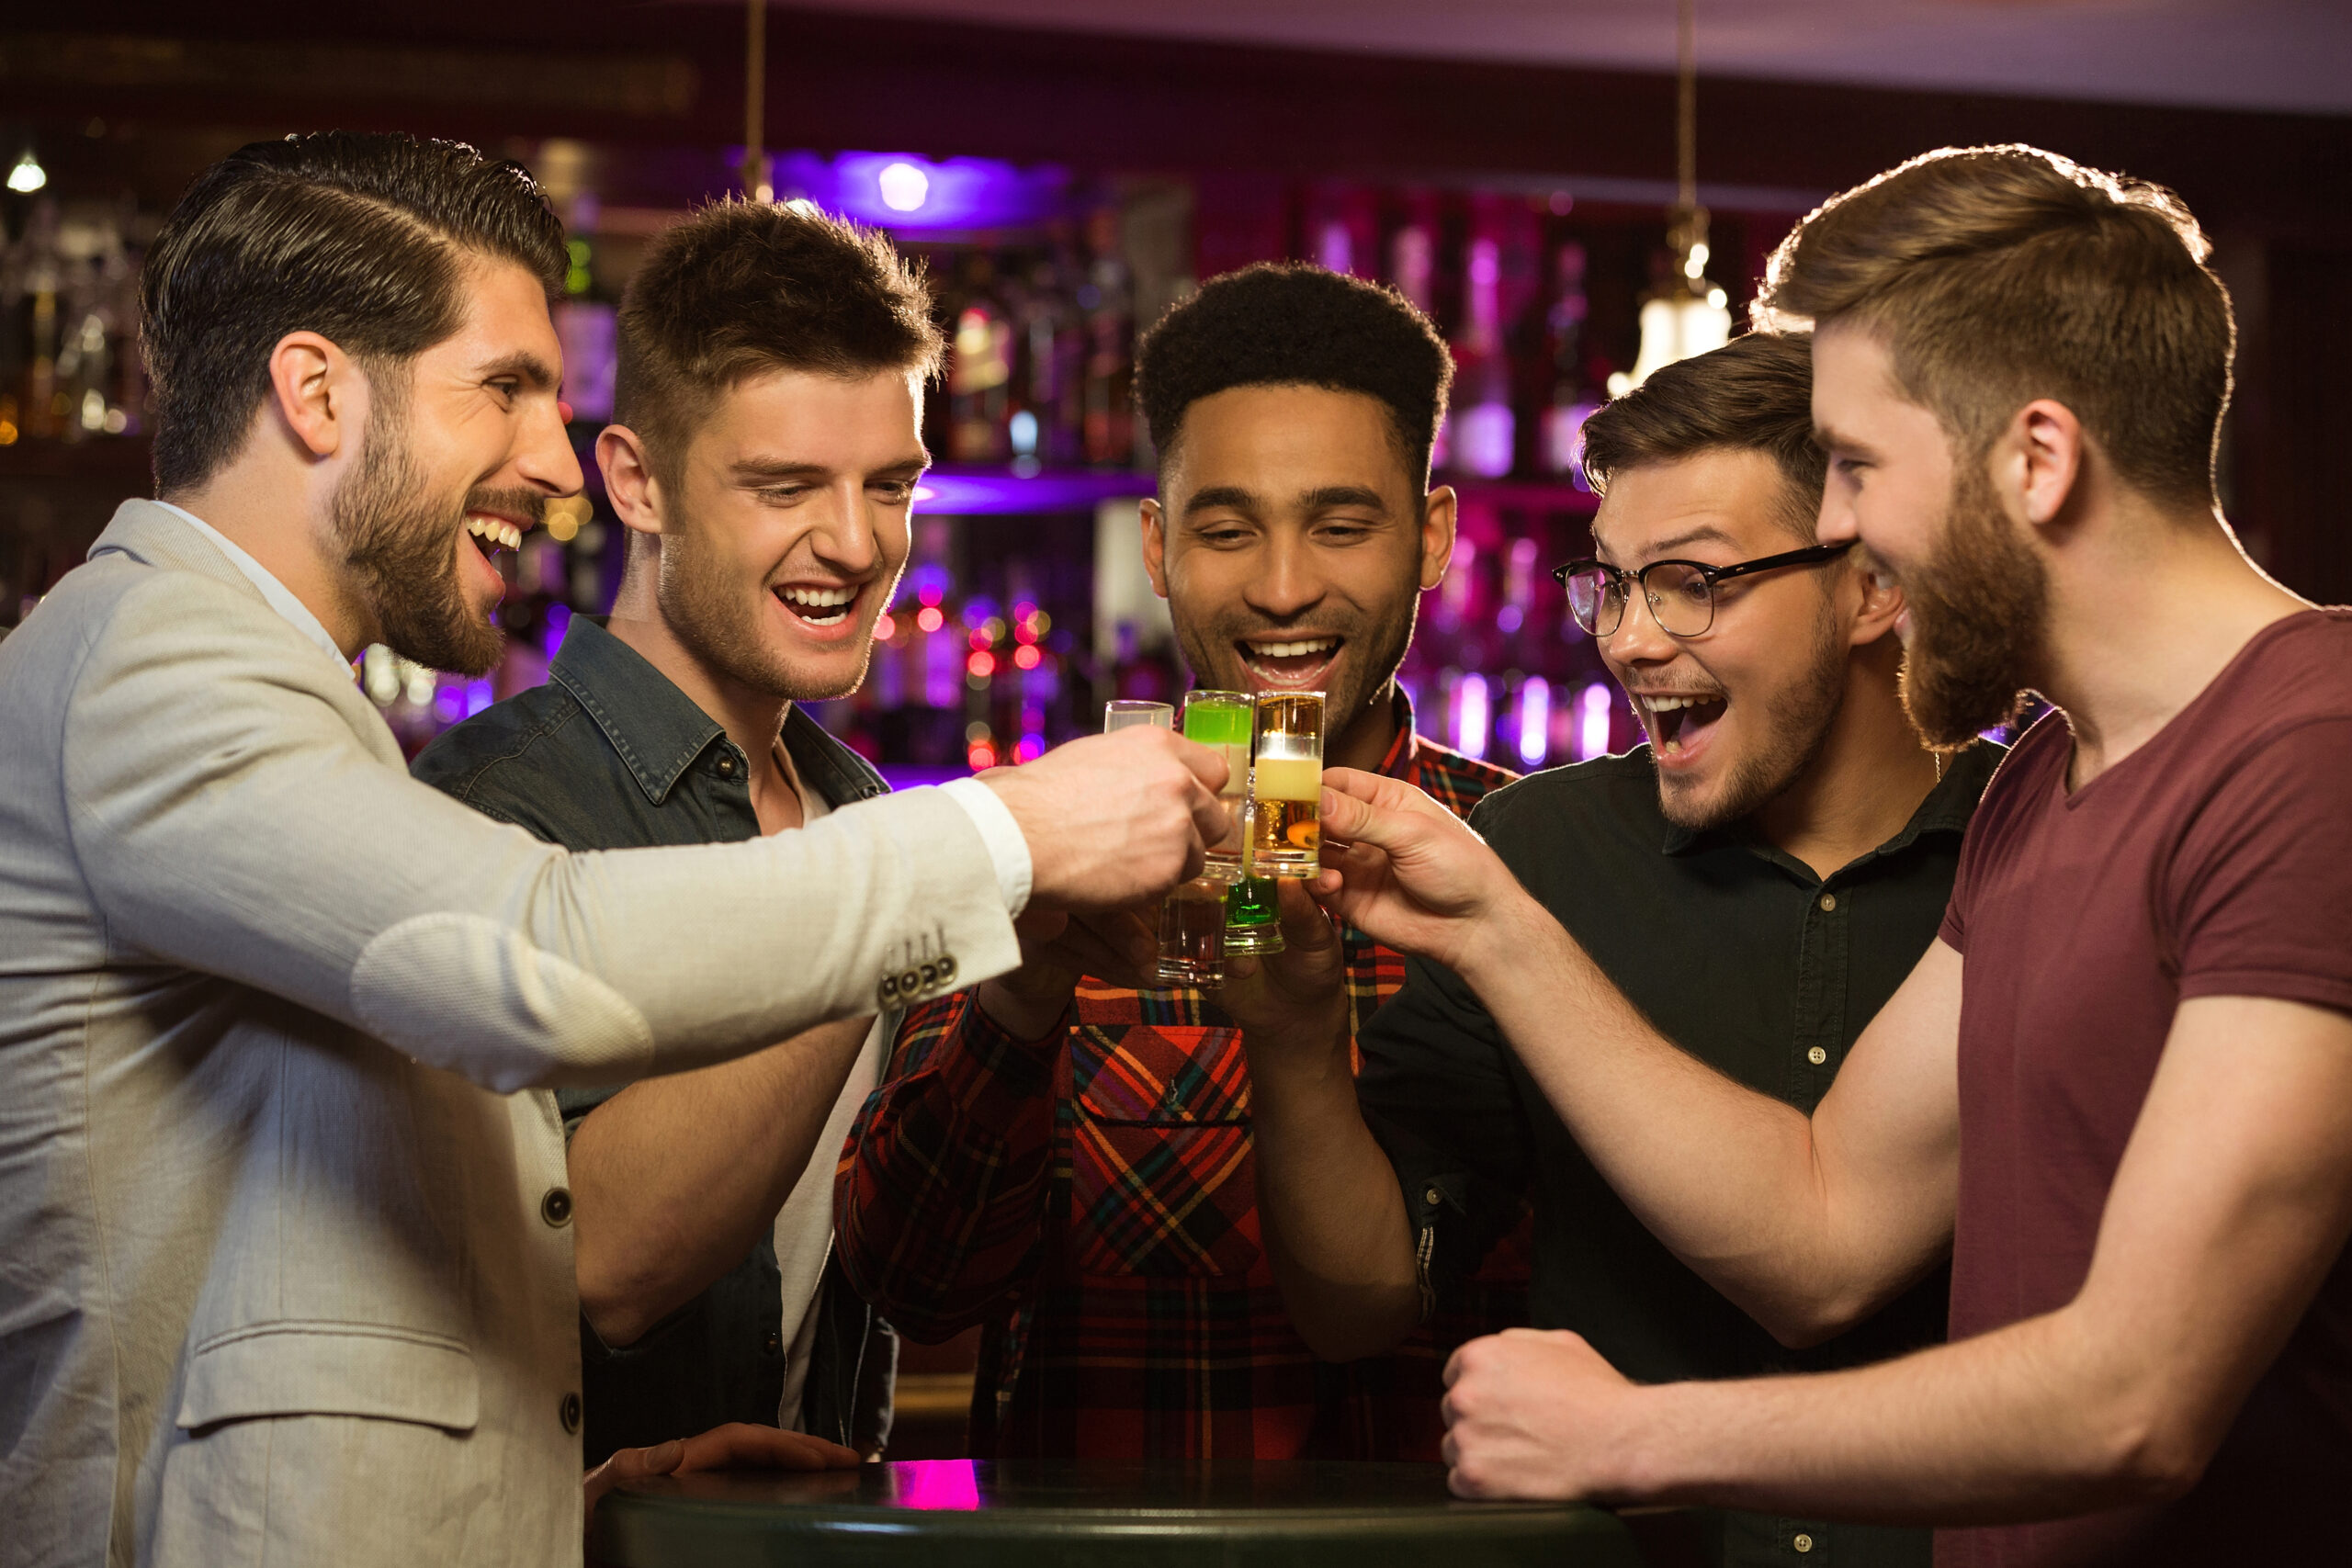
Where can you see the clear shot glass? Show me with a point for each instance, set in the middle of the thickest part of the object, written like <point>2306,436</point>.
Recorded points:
<point>1125,713</point>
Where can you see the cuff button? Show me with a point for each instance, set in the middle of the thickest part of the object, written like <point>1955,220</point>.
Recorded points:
<point>556,1207</point>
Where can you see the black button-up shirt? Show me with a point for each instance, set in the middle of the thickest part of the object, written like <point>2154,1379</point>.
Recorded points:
<point>610,754</point>
<point>1742,955</point>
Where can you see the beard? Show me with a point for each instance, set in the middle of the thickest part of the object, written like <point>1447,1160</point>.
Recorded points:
<point>1373,648</point>
<point>1796,727</point>
<point>401,547</point>
<point>705,606</point>
<point>1977,612</point>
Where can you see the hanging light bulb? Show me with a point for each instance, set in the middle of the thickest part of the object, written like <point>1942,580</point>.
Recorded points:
<point>27,176</point>
<point>1690,314</point>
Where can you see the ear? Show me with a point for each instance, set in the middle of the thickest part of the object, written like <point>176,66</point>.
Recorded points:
<point>320,392</point>
<point>2038,460</point>
<point>629,484</point>
<point>1155,546</point>
<point>1882,603</point>
<point>1438,516</point>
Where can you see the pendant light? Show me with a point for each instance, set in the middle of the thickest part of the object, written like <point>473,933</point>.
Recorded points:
<point>1690,314</point>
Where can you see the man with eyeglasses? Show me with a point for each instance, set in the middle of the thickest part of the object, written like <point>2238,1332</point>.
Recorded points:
<point>1758,879</point>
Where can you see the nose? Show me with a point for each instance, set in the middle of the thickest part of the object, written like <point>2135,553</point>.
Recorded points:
<point>847,540</point>
<point>1836,523</point>
<point>1287,585</point>
<point>546,460</point>
<point>1638,640</point>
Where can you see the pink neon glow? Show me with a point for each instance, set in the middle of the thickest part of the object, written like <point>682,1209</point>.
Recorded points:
<point>1592,720</point>
<point>937,1483</point>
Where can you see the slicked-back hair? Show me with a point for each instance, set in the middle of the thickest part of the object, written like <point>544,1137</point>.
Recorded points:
<point>2000,275</point>
<point>1754,394</point>
<point>361,238</point>
<point>1295,325</point>
<point>741,288</point>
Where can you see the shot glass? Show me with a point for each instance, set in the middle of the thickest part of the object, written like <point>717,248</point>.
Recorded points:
<point>1253,923</point>
<point>1285,834</point>
<point>1222,721</point>
<point>1124,713</point>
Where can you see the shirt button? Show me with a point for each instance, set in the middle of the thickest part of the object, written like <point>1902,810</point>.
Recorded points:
<point>1817,1056</point>
<point>1828,906</point>
<point>556,1207</point>
<point>571,1413</point>
<point>1803,1543</point>
<point>1432,1196</point>
<point>774,1343</point>
<point>727,767</point>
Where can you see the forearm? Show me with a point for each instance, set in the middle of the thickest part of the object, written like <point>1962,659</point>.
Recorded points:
<point>1731,1179</point>
<point>1333,1219</point>
<point>674,1179</point>
<point>943,1193</point>
<point>2044,1418</point>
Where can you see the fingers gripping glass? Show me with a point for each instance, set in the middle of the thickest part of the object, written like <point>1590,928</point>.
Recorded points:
<point>1682,593</point>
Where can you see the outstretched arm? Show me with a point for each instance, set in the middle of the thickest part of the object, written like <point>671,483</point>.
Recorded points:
<point>1808,1223</point>
<point>2232,1201</point>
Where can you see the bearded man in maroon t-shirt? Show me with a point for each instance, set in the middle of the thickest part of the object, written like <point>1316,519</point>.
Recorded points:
<point>2117,1090</point>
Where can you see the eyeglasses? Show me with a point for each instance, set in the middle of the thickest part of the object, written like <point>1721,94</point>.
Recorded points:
<point>1682,593</point>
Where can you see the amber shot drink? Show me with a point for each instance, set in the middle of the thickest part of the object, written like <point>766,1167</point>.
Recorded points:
<point>1285,834</point>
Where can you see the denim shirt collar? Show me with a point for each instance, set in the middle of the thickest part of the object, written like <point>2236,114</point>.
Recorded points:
<point>659,732</point>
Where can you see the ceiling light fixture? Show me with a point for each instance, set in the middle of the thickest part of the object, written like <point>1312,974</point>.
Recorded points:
<point>1689,315</point>
<point>27,176</point>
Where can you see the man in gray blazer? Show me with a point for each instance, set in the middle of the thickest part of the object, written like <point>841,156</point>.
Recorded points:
<point>286,1271</point>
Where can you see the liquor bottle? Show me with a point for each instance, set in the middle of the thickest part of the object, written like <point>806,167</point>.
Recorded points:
<point>1572,401</point>
<point>1483,423</point>
<point>1108,300</point>
<point>979,368</point>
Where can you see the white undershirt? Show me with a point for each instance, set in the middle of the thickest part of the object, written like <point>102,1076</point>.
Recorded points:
<point>804,1226</point>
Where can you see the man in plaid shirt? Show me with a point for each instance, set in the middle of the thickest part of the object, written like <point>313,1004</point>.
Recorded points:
<point>1064,1159</point>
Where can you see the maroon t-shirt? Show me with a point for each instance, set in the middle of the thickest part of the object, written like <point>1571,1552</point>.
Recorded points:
<point>2216,859</point>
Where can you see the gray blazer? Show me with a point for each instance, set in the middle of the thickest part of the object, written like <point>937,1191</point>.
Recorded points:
<point>284,1264</point>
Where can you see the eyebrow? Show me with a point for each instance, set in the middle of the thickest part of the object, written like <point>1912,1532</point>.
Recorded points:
<point>1663,548</point>
<point>1829,440</point>
<point>525,366</point>
<point>1324,498</point>
<point>909,466</point>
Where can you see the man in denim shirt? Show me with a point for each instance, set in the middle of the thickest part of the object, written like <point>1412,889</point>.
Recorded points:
<point>764,456</point>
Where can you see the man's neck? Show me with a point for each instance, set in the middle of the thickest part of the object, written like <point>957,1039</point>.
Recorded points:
<point>266,516</point>
<point>1866,782</point>
<point>753,719</point>
<point>1363,744</point>
<point>2142,618</point>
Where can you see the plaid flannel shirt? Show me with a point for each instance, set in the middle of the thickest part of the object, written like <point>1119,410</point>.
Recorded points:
<point>1090,1201</point>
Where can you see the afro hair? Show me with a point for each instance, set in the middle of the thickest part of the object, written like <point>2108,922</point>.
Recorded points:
<point>1294,324</point>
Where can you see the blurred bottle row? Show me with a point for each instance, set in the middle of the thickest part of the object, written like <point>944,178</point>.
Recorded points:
<point>69,316</point>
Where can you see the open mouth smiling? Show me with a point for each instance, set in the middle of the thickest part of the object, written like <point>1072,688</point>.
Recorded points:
<point>1294,662</point>
<point>819,606</point>
<point>1678,721</point>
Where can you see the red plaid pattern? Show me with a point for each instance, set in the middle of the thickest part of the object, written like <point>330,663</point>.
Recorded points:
<point>1090,1201</point>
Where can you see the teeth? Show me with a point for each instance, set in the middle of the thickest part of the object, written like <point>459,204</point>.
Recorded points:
<point>1294,649</point>
<point>497,530</point>
<point>1663,704</point>
<point>819,598</point>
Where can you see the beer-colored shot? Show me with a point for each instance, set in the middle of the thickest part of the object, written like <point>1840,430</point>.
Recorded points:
<point>1286,786</point>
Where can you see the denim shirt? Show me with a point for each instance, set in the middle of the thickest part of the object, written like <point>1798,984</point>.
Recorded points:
<point>610,754</point>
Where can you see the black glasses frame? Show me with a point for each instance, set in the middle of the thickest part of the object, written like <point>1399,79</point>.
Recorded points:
<point>1812,554</point>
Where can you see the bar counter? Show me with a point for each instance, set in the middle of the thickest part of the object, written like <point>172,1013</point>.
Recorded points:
<point>1049,1514</point>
